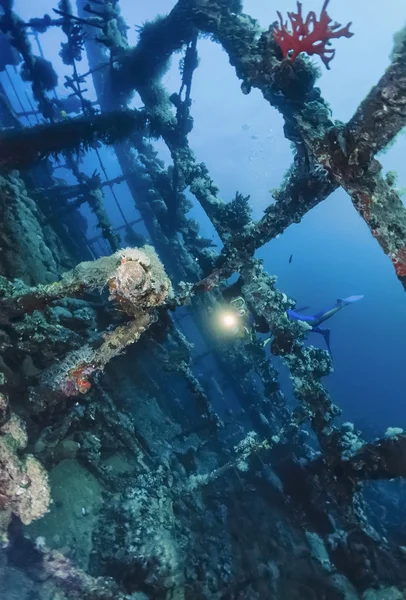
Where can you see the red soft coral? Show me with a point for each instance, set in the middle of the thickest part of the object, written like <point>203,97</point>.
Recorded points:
<point>310,36</point>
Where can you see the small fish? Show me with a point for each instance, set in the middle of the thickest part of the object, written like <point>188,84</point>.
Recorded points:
<point>290,258</point>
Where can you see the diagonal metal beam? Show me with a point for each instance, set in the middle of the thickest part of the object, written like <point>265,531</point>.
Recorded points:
<point>347,153</point>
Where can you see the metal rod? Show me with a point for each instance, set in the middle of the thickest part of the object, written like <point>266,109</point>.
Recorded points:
<point>32,107</point>
<point>16,93</point>
<point>98,237</point>
<point>111,187</point>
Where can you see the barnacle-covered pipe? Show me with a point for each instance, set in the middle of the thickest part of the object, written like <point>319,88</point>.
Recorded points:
<point>21,148</point>
<point>71,376</point>
<point>243,451</point>
<point>134,277</point>
<point>136,282</point>
<point>198,392</point>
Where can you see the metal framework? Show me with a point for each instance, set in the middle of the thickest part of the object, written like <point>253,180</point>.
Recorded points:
<point>328,155</point>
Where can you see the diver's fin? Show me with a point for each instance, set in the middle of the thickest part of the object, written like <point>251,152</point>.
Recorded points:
<point>267,341</point>
<point>349,300</point>
<point>326,334</point>
<point>341,302</point>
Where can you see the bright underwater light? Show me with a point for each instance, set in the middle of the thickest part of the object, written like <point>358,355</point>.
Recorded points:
<point>228,320</point>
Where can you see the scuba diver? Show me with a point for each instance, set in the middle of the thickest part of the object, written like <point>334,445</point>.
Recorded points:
<point>241,322</point>
<point>320,317</point>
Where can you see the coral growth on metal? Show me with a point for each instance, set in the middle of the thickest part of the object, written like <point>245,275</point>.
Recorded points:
<point>77,380</point>
<point>311,35</point>
<point>399,261</point>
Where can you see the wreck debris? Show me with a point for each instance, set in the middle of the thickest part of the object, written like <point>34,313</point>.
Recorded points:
<point>300,192</point>
<point>4,409</point>
<point>20,148</point>
<point>71,376</point>
<point>328,154</point>
<point>134,278</point>
<point>24,488</point>
<point>312,125</point>
<point>250,445</point>
<point>73,581</point>
<point>92,191</point>
<point>35,68</point>
<point>137,284</point>
<point>200,395</point>
<point>380,459</point>
<point>381,115</point>
<point>307,365</point>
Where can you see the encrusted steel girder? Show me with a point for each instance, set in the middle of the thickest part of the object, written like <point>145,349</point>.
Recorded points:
<point>382,114</point>
<point>20,148</point>
<point>346,154</point>
<point>380,459</point>
<point>328,155</point>
<point>299,193</point>
<point>307,365</point>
